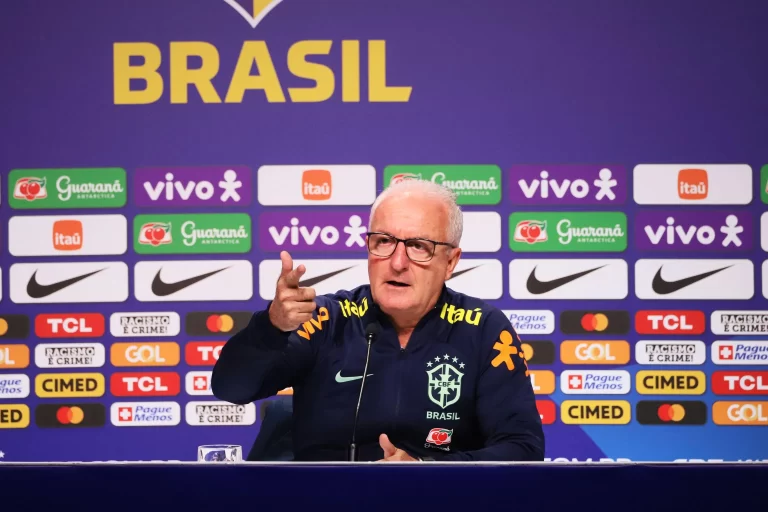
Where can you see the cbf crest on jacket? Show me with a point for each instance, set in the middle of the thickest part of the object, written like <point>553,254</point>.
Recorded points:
<point>459,391</point>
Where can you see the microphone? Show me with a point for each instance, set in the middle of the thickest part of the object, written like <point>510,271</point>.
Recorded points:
<point>371,332</point>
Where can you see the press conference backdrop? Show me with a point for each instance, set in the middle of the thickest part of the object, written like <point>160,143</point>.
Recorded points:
<point>609,157</point>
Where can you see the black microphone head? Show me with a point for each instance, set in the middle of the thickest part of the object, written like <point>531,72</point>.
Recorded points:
<point>372,330</point>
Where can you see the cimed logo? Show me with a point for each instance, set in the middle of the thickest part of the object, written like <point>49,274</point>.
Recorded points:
<point>444,385</point>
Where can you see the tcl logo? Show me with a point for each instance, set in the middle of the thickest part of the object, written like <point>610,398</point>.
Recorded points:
<point>69,325</point>
<point>203,353</point>
<point>547,410</point>
<point>594,352</point>
<point>145,384</point>
<point>740,383</point>
<point>740,413</point>
<point>145,354</point>
<point>670,322</point>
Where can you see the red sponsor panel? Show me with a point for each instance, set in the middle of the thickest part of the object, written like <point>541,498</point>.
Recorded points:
<point>145,384</point>
<point>69,325</point>
<point>670,322</point>
<point>547,410</point>
<point>203,353</point>
<point>740,382</point>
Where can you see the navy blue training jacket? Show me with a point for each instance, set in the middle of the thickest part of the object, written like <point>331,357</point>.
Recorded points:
<point>459,391</point>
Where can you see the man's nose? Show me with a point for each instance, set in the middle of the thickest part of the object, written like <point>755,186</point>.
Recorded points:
<point>399,259</point>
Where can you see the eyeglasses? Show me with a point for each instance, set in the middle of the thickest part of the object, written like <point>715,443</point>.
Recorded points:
<point>417,249</point>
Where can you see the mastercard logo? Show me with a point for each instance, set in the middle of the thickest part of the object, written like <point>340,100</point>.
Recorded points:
<point>3,326</point>
<point>671,412</point>
<point>591,323</point>
<point>70,415</point>
<point>219,323</point>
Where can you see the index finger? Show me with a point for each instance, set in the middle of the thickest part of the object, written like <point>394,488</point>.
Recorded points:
<point>287,263</point>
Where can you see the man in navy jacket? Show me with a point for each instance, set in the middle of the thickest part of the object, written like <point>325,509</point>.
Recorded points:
<point>447,379</point>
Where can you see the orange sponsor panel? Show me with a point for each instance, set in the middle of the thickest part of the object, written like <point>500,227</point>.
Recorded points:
<point>14,356</point>
<point>166,353</point>
<point>594,352</point>
<point>747,413</point>
<point>316,184</point>
<point>543,382</point>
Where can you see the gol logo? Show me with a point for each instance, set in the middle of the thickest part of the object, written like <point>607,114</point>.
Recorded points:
<point>670,382</point>
<point>14,416</point>
<point>547,411</point>
<point>316,184</point>
<point>14,356</point>
<point>145,384</point>
<point>594,352</point>
<point>145,354</point>
<point>543,382</point>
<point>54,385</point>
<point>692,184</point>
<point>203,353</point>
<point>67,235</point>
<point>740,413</point>
<point>595,412</point>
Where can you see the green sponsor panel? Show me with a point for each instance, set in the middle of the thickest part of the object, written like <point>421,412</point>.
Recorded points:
<point>203,233</point>
<point>568,232</point>
<point>473,184</point>
<point>30,189</point>
<point>764,184</point>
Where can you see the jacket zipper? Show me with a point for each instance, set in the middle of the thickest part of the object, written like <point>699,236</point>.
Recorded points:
<point>400,357</point>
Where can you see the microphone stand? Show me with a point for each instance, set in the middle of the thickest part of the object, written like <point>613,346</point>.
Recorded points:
<point>370,335</point>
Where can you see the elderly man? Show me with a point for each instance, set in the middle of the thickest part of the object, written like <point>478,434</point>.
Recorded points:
<point>446,377</point>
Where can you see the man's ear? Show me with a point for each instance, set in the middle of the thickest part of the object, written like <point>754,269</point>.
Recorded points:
<point>453,259</point>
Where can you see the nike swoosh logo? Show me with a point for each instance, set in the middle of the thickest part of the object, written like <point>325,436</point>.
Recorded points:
<point>37,291</point>
<point>339,378</point>
<point>163,289</point>
<point>312,281</point>
<point>663,287</point>
<point>457,274</point>
<point>537,287</point>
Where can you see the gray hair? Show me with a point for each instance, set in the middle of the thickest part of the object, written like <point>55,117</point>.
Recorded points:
<point>430,189</point>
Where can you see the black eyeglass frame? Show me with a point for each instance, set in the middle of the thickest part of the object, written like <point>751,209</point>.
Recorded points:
<point>404,240</point>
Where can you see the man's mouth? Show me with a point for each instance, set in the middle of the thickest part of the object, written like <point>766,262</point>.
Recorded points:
<point>397,283</point>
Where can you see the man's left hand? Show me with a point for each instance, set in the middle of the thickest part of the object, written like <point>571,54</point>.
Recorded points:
<point>392,453</point>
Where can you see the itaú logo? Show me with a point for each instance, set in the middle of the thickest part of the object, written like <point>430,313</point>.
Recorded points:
<point>139,63</point>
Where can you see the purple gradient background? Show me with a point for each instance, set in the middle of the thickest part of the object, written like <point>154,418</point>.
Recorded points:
<point>494,81</point>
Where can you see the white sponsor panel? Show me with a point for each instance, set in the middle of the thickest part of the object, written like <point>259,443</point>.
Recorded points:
<point>193,280</point>
<point>70,355</point>
<point>475,277</point>
<point>740,352</point>
<point>664,352</point>
<point>595,382</point>
<point>60,235</point>
<point>283,185</point>
<point>217,413</point>
<point>729,279</point>
<point>14,385</point>
<point>325,276</point>
<point>764,231</point>
<point>69,283</point>
<point>765,279</point>
<point>531,321</point>
<point>692,184</point>
<point>568,279</point>
<point>144,324</point>
<point>198,383</point>
<point>145,414</point>
<point>481,232</point>
<point>739,323</point>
